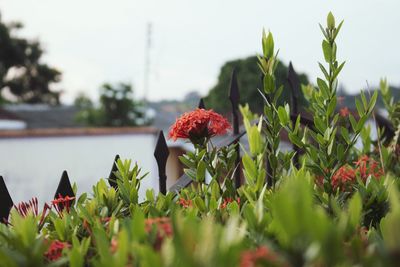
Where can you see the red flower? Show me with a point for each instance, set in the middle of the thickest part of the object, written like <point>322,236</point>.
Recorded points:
<point>228,200</point>
<point>367,166</point>
<point>185,203</point>
<point>62,203</point>
<point>163,228</point>
<point>24,208</point>
<point>343,178</point>
<point>199,124</point>
<point>344,112</point>
<point>259,257</point>
<point>54,252</point>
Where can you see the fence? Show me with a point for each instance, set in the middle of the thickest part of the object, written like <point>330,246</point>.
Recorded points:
<point>161,151</point>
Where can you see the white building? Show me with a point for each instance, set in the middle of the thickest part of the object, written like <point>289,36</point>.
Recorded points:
<point>32,160</point>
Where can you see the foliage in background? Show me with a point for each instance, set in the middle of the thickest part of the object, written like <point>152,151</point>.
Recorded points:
<point>249,79</point>
<point>117,108</point>
<point>22,72</point>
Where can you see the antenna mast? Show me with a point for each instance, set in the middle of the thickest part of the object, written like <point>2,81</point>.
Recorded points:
<point>146,86</point>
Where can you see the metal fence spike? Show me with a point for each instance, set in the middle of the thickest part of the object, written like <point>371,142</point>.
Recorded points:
<point>64,188</point>
<point>234,96</point>
<point>6,202</point>
<point>112,179</point>
<point>161,154</point>
<point>201,104</point>
<point>294,83</point>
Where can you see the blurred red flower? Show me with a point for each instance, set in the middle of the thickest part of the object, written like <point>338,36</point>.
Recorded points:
<point>163,228</point>
<point>199,124</point>
<point>344,112</point>
<point>228,200</point>
<point>343,178</point>
<point>185,203</point>
<point>367,166</point>
<point>54,252</point>
<point>259,257</point>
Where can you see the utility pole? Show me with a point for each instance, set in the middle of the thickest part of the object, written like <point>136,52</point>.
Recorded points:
<point>146,83</point>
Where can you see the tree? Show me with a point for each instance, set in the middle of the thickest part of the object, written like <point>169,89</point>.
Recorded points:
<point>117,108</point>
<point>249,79</point>
<point>27,79</point>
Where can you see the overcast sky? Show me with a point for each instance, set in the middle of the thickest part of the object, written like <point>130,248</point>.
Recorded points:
<point>94,41</point>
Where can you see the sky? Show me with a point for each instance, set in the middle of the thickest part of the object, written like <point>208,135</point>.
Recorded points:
<point>97,41</point>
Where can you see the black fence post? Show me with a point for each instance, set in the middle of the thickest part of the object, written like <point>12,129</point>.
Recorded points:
<point>161,154</point>
<point>201,104</point>
<point>64,188</point>
<point>6,202</point>
<point>235,98</point>
<point>112,179</point>
<point>294,83</point>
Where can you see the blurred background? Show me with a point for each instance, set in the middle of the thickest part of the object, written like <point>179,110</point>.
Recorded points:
<point>82,81</point>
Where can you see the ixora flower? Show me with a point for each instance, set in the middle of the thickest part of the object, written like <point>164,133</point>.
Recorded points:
<point>162,227</point>
<point>364,167</point>
<point>185,203</point>
<point>199,125</point>
<point>228,200</point>
<point>32,207</point>
<point>344,112</point>
<point>259,257</point>
<point>343,178</point>
<point>54,252</point>
<point>367,166</point>
<point>62,203</point>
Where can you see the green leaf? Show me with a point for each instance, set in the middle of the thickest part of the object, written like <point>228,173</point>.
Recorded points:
<point>330,20</point>
<point>201,172</point>
<point>359,107</point>
<point>337,30</point>
<point>326,48</point>
<point>323,31</point>
<point>338,70</point>
<point>324,71</point>
<point>200,204</point>
<point>345,134</point>
<point>269,84</point>
<point>323,86</point>
<point>355,209</point>
<point>255,142</point>
<point>250,167</point>
<point>283,116</point>
<point>268,45</point>
<point>364,100</point>
<point>372,102</point>
<point>331,107</point>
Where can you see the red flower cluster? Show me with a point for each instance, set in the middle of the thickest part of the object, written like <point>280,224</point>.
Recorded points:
<point>163,227</point>
<point>344,112</point>
<point>24,208</point>
<point>343,178</point>
<point>364,167</point>
<point>259,257</point>
<point>367,166</point>
<point>185,203</point>
<point>228,200</point>
<point>62,203</point>
<point>199,124</point>
<point>54,252</point>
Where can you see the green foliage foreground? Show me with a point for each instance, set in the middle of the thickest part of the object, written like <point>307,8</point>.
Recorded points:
<point>340,207</point>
